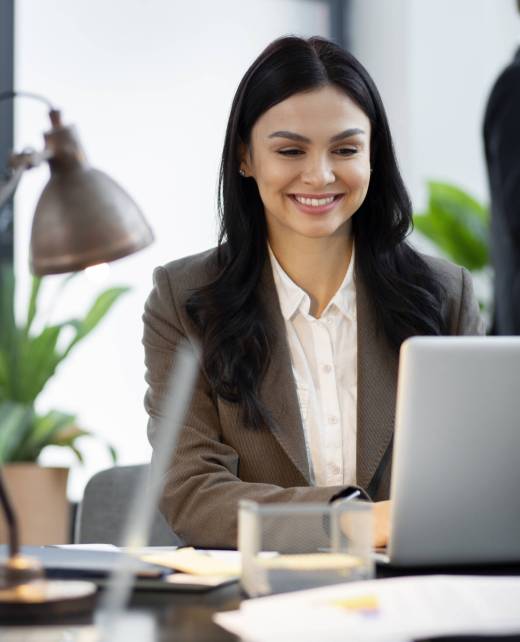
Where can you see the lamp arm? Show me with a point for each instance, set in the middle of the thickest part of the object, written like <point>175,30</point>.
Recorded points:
<point>10,518</point>
<point>18,163</point>
<point>9,95</point>
<point>8,188</point>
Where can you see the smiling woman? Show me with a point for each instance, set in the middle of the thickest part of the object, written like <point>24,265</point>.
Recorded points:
<point>302,307</point>
<point>312,176</point>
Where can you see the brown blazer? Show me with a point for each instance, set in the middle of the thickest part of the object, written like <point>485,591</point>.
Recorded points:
<point>218,461</point>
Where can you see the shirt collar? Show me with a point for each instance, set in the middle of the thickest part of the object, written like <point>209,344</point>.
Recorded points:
<point>345,297</point>
<point>292,297</point>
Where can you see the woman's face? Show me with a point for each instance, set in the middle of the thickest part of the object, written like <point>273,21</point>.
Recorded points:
<point>310,157</point>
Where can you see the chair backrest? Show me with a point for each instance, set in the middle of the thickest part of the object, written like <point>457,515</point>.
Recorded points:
<point>103,512</point>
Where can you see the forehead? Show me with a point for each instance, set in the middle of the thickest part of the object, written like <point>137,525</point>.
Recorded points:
<point>320,113</point>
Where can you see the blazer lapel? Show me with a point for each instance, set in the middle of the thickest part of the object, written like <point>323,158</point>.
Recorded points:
<point>278,388</point>
<point>376,393</point>
<point>376,390</point>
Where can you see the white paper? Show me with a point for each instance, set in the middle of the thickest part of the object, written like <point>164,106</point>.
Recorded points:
<point>87,547</point>
<point>407,608</point>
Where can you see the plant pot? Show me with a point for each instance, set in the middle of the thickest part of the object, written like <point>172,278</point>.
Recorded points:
<point>39,497</point>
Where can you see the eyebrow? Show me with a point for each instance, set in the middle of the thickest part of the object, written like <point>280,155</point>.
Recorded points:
<point>298,138</point>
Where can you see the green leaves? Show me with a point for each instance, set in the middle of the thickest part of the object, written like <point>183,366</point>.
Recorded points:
<point>8,331</point>
<point>24,434</point>
<point>31,310</point>
<point>96,313</point>
<point>28,361</point>
<point>457,224</point>
<point>15,425</point>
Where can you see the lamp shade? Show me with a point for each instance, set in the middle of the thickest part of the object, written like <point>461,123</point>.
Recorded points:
<point>83,217</point>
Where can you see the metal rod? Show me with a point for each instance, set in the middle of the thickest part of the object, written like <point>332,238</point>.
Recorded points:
<point>9,95</point>
<point>6,122</point>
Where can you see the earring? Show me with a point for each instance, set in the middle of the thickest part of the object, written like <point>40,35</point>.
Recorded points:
<point>242,172</point>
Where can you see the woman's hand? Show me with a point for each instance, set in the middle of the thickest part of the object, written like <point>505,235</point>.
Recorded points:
<point>381,523</point>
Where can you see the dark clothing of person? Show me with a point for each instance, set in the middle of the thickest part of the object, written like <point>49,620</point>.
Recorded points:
<point>502,148</point>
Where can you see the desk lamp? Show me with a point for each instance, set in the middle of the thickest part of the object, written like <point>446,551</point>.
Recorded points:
<point>82,218</point>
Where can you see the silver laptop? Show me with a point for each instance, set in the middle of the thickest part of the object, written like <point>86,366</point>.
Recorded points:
<point>456,460</point>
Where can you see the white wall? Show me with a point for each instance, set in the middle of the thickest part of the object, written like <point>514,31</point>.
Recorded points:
<point>434,62</point>
<point>149,84</point>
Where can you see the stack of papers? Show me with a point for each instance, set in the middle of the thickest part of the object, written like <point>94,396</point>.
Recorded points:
<point>393,609</point>
<point>189,560</point>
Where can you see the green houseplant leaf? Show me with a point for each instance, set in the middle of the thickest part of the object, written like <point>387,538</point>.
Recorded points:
<point>15,426</point>
<point>8,334</point>
<point>31,310</point>
<point>97,312</point>
<point>28,361</point>
<point>457,223</point>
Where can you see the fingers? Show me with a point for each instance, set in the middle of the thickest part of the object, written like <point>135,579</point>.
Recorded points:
<point>381,523</point>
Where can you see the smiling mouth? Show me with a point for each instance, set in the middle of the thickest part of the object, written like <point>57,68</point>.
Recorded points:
<point>316,201</point>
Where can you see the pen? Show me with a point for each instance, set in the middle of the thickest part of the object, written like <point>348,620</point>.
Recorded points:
<point>353,495</point>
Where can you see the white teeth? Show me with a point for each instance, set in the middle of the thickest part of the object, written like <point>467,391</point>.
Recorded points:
<point>314,202</point>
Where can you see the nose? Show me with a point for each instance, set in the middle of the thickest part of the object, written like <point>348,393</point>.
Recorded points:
<point>318,172</point>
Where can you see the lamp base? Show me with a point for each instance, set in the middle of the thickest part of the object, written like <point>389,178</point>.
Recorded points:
<point>19,569</point>
<point>46,600</point>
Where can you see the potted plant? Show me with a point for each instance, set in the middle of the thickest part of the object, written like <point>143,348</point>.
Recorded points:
<point>28,360</point>
<point>458,225</point>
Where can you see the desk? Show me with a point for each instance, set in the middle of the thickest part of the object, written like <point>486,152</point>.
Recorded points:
<point>187,617</point>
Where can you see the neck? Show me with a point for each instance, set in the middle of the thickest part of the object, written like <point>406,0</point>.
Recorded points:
<point>317,265</point>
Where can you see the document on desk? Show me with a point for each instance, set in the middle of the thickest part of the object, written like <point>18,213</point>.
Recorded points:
<point>394,609</point>
<point>198,562</point>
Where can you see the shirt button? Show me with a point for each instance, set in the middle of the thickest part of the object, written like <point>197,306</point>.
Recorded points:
<point>327,368</point>
<point>333,419</point>
<point>329,320</point>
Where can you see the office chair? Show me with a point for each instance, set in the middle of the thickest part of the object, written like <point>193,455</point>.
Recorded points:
<point>103,512</point>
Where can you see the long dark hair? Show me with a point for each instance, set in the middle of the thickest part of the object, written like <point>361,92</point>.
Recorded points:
<point>404,294</point>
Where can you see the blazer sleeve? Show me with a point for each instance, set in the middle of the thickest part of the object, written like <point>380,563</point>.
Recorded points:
<point>201,490</point>
<point>469,320</point>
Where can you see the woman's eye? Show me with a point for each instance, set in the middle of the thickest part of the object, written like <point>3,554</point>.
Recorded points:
<point>345,151</point>
<point>292,151</point>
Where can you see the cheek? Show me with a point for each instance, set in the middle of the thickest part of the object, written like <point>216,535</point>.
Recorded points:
<point>272,177</point>
<point>358,176</point>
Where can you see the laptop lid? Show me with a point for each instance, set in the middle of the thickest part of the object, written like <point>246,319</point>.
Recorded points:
<point>456,460</point>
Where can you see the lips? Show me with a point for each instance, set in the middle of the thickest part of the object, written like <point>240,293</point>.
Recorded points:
<point>315,203</point>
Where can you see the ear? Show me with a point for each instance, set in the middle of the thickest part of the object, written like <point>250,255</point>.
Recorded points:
<point>244,156</point>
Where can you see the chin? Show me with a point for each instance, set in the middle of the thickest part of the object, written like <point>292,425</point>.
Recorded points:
<point>318,233</point>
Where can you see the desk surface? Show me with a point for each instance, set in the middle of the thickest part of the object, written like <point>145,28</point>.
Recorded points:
<point>184,617</point>
<point>188,617</point>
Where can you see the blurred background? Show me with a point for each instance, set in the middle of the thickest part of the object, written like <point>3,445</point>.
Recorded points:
<point>149,84</point>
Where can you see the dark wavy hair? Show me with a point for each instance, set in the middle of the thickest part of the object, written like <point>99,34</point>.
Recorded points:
<point>405,296</point>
